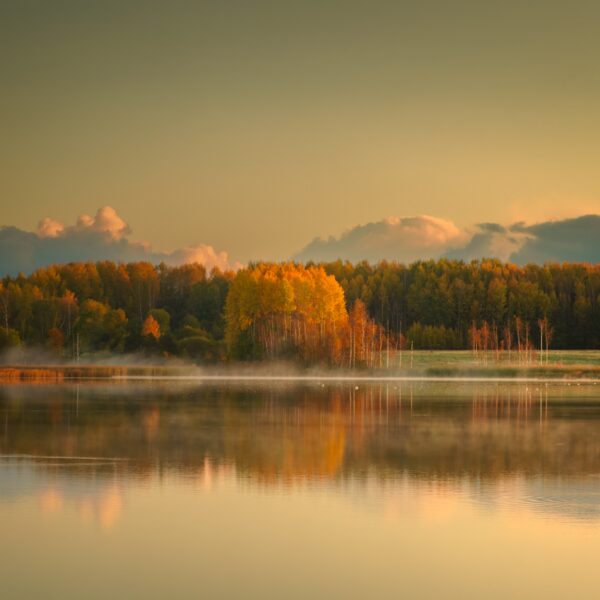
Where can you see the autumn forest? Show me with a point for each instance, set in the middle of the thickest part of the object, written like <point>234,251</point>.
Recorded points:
<point>335,313</point>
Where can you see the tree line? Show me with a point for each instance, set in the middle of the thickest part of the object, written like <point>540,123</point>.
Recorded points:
<point>436,304</point>
<point>86,308</point>
<point>339,313</point>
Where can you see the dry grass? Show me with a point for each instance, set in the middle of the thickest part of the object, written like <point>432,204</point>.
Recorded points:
<point>52,374</point>
<point>18,374</point>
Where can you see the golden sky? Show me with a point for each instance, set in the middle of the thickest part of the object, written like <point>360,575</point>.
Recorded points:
<point>256,126</point>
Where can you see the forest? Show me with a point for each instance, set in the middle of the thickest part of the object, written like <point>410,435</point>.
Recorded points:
<point>334,313</point>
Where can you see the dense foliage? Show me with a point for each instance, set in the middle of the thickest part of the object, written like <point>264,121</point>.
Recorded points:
<point>448,297</point>
<point>83,308</point>
<point>337,312</point>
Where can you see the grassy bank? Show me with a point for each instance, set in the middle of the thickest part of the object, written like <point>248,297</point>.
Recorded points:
<point>557,365</point>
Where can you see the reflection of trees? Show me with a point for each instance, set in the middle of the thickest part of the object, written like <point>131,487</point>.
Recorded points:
<point>288,433</point>
<point>286,442</point>
<point>103,506</point>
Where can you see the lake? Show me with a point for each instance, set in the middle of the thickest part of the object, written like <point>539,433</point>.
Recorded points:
<point>300,490</point>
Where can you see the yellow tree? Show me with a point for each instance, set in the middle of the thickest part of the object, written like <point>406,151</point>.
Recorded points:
<point>285,307</point>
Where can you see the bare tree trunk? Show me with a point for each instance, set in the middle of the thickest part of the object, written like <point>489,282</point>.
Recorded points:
<point>541,326</point>
<point>387,358</point>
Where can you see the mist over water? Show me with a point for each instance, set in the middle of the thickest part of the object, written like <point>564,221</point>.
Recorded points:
<point>265,489</point>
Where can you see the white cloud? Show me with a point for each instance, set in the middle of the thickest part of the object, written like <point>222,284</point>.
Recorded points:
<point>203,254</point>
<point>101,237</point>
<point>403,239</point>
<point>50,228</point>
<point>106,221</point>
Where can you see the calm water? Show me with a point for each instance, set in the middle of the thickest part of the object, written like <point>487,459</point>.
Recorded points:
<point>300,491</point>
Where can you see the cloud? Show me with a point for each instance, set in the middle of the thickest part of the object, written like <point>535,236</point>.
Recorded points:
<point>413,238</point>
<point>489,240</point>
<point>203,254</point>
<point>49,228</point>
<point>573,240</point>
<point>106,221</point>
<point>403,239</point>
<point>101,237</point>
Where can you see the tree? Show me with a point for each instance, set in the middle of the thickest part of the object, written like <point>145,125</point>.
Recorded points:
<point>163,318</point>
<point>274,310</point>
<point>115,327</point>
<point>9,338</point>
<point>305,312</point>
<point>151,328</point>
<point>4,305</point>
<point>91,324</point>
<point>56,339</point>
<point>145,286</point>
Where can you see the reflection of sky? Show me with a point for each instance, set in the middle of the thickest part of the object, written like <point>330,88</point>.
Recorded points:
<point>101,498</point>
<point>217,532</point>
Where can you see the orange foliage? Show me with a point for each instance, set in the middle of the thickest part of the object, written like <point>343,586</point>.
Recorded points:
<point>287,307</point>
<point>151,328</point>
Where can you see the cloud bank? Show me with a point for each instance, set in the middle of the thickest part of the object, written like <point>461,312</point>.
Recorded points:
<point>101,237</point>
<point>405,239</point>
<point>412,238</point>
<point>574,240</point>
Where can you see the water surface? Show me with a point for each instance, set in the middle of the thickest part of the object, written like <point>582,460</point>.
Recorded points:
<point>283,490</point>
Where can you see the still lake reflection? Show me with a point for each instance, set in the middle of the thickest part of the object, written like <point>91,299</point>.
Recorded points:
<point>456,490</point>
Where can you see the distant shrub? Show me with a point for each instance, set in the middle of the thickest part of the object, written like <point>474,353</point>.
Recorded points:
<point>9,338</point>
<point>434,337</point>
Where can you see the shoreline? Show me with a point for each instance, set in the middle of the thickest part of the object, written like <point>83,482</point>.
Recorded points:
<point>48,374</point>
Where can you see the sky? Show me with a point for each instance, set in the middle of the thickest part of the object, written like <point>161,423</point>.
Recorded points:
<point>252,128</point>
